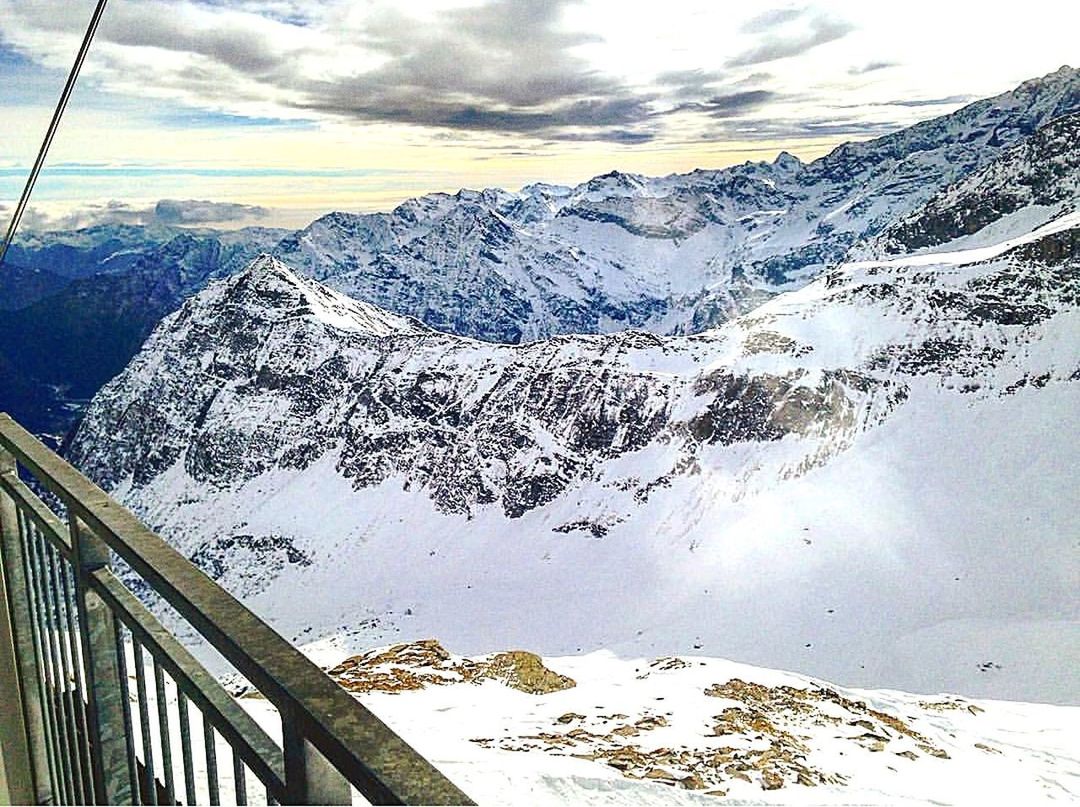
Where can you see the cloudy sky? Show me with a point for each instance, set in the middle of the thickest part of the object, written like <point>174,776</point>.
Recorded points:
<point>275,110</point>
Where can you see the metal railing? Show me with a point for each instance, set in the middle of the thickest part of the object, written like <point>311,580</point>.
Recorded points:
<point>73,637</point>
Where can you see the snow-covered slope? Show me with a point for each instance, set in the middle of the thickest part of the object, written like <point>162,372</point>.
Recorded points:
<point>870,479</point>
<point>674,254</point>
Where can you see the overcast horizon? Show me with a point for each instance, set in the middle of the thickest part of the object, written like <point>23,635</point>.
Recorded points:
<point>274,111</point>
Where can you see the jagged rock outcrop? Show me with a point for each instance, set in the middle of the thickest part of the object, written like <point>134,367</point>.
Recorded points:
<point>1040,177</point>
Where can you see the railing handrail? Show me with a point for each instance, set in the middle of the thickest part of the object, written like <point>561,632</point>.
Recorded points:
<point>371,756</point>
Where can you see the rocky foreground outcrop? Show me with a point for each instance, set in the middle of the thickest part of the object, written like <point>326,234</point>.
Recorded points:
<point>651,730</point>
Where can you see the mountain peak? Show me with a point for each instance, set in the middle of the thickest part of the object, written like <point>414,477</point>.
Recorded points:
<point>1065,72</point>
<point>266,265</point>
<point>787,161</point>
<point>268,285</point>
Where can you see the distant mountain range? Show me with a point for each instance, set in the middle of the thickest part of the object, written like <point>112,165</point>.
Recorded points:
<point>670,255</point>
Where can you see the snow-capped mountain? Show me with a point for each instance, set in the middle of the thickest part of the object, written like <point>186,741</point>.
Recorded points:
<point>472,423</point>
<point>866,472</point>
<point>675,254</point>
<point>1031,184</point>
<point>670,255</point>
<point>862,479</point>
<point>71,327</point>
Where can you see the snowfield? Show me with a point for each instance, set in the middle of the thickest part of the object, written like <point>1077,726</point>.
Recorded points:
<point>687,730</point>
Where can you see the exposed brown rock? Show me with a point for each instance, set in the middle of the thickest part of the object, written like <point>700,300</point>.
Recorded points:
<point>415,665</point>
<point>771,780</point>
<point>525,671</point>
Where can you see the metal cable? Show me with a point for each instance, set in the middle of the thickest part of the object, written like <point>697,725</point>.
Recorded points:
<point>53,125</point>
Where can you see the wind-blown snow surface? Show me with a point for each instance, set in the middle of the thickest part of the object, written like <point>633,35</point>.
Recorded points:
<point>871,479</point>
<point>685,730</point>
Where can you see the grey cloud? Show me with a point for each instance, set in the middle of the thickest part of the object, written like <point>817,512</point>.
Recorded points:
<point>165,26</point>
<point>688,84</point>
<point>484,52</point>
<point>871,67</point>
<point>422,109</point>
<point>911,102</point>
<point>753,78</point>
<point>624,136</point>
<point>917,102</point>
<point>733,104</point>
<point>675,78</point>
<point>475,70</point>
<point>768,20</point>
<point>200,211</point>
<point>234,35</point>
<point>112,212</point>
<point>795,129</point>
<point>819,30</point>
<point>737,102</point>
<point>502,66</point>
<point>833,128</point>
<point>167,211</point>
<point>145,26</point>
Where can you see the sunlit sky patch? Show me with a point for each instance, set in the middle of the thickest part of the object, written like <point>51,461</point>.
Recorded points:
<point>294,108</point>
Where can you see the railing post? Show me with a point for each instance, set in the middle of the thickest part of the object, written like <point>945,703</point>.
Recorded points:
<point>105,715</point>
<point>22,726</point>
<point>309,777</point>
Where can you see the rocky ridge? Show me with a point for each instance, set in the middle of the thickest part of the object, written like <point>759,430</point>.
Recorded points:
<point>1039,177</point>
<point>267,370</point>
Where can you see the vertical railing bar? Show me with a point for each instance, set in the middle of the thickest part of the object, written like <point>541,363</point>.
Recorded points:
<point>105,713</point>
<point>39,654</point>
<point>47,702</point>
<point>67,581</point>
<point>310,778</point>
<point>125,700</point>
<point>58,672</point>
<point>163,727</point>
<point>80,675</point>
<point>185,746</point>
<point>69,693</point>
<point>144,723</point>
<point>239,781</point>
<point>211,762</point>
